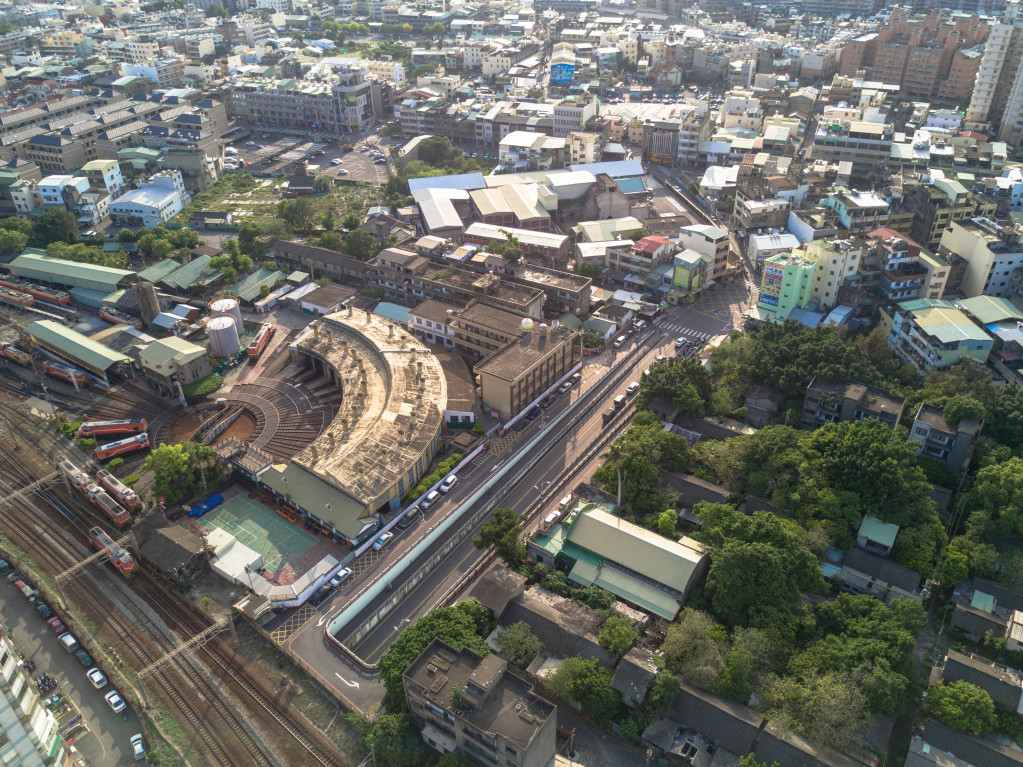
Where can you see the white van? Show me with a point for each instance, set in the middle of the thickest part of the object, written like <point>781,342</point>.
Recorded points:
<point>429,500</point>
<point>449,482</point>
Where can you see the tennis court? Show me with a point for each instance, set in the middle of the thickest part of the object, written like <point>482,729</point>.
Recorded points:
<point>277,540</point>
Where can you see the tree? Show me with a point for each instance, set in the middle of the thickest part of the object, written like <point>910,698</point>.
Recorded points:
<point>229,275</point>
<point>963,406</point>
<point>351,222</point>
<point>759,565</point>
<point>1005,416</point>
<point>298,213</point>
<point>617,635</point>
<point>361,245</point>
<point>12,241</point>
<point>996,500</point>
<point>695,647</point>
<point>519,644</point>
<point>585,269</point>
<point>751,761</point>
<point>244,263</point>
<point>685,382</point>
<point>827,709</point>
<point>503,531</point>
<point>586,681</point>
<point>667,521</point>
<point>736,680</point>
<point>57,225</point>
<point>182,470</point>
<point>391,737</point>
<point>454,625</point>
<point>663,691</point>
<point>634,459</point>
<point>962,706</point>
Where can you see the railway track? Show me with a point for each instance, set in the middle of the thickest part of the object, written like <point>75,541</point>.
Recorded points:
<point>210,719</point>
<point>241,749</point>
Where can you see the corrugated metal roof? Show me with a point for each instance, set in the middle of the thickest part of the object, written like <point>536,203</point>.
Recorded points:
<point>73,345</point>
<point>157,272</point>
<point>67,273</point>
<point>86,297</point>
<point>248,289</point>
<point>195,271</point>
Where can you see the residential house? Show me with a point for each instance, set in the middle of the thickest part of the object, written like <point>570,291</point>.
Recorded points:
<point>933,334</point>
<point>875,536</point>
<point>950,444</point>
<point>833,402</point>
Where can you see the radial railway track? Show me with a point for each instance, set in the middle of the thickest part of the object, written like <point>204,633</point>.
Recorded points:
<point>189,686</point>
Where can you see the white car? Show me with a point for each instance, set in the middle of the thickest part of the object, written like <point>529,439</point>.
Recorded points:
<point>115,701</point>
<point>342,172</point>
<point>632,388</point>
<point>340,576</point>
<point>250,143</point>
<point>138,748</point>
<point>98,679</point>
<point>449,482</point>
<point>382,541</point>
<point>336,161</point>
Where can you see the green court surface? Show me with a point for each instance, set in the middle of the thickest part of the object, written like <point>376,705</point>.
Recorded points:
<point>275,539</point>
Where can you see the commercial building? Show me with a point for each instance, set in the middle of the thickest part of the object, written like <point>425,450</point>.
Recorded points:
<point>35,265</point>
<point>643,569</point>
<point>932,335</point>
<point>787,284</point>
<point>951,444</point>
<point>864,144</point>
<point>172,361</point>
<point>472,704</point>
<point>833,402</point>
<point>29,732</point>
<point>80,350</point>
<point>154,202</point>
<point>383,437</point>
<point>519,373</point>
<point>480,329</point>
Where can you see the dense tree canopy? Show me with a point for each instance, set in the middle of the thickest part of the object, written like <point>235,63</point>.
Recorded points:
<point>183,470</point>
<point>685,382</point>
<point>586,681</point>
<point>503,531</point>
<point>962,706</point>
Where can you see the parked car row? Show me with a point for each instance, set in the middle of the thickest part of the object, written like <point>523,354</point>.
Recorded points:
<point>72,646</point>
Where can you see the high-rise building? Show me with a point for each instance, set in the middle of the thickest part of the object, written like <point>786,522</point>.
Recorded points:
<point>998,94</point>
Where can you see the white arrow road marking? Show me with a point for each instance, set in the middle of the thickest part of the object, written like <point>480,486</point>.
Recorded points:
<point>322,620</point>
<point>350,684</point>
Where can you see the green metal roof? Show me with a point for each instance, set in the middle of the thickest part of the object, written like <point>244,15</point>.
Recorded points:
<point>67,273</point>
<point>991,309</point>
<point>247,289</point>
<point>873,529</point>
<point>623,585</point>
<point>74,346</point>
<point>158,271</point>
<point>198,270</point>
<point>309,492</point>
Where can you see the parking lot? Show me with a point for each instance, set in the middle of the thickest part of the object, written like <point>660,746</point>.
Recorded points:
<point>257,153</point>
<point>106,741</point>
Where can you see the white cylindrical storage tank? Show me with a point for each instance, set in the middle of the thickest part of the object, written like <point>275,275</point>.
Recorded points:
<point>227,306</point>
<point>223,333</point>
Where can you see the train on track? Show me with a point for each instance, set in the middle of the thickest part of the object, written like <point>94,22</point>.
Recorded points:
<point>65,372</point>
<point>118,556</point>
<point>263,336</point>
<point>122,446</point>
<point>100,428</point>
<point>119,318</point>
<point>52,295</point>
<point>116,513</point>
<point>16,297</point>
<point>13,353</point>
<point>116,488</point>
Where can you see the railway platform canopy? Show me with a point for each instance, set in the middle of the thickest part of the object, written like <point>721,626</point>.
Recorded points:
<point>78,349</point>
<point>386,432</point>
<point>68,274</point>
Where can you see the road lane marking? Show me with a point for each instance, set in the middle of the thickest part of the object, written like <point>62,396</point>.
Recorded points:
<point>350,684</point>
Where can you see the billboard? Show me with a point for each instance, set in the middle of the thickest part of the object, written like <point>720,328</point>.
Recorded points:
<point>562,73</point>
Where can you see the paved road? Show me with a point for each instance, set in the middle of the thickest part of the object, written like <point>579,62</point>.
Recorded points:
<point>106,743</point>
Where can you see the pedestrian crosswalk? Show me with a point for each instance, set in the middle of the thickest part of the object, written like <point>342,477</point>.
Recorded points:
<point>682,330</point>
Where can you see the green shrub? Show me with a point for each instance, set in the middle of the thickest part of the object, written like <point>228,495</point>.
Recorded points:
<point>115,463</point>
<point>68,428</point>
<point>477,428</point>
<point>131,479</point>
<point>86,443</point>
<point>204,386</point>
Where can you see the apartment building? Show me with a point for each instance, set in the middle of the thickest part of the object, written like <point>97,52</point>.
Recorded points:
<point>933,334</point>
<point>342,105</point>
<point>708,241</point>
<point>786,285</point>
<point>631,269</point>
<point>951,444</point>
<point>321,262</point>
<point>154,202</point>
<point>29,732</point>
<point>518,374</point>
<point>480,329</point>
<point>838,261</point>
<point>166,73</point>
<point>858,212</point>
<point>865,144</point>
<point>552,247</point>
<point>833,402</point>
<point>993,255</point>
<point>464,702</point>
<point>937,203</point>
<point>997,100</point>
<point>410,278</point>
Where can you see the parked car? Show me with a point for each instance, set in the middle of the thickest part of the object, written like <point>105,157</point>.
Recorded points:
<point>68,641</point>
<point>56,625</point>
<point>44,610</point>
<point>576,378</point>
<point>5,567</point>
<point>97,677</point>
<point>115,701</point>
<point>533,413</point>
<point>632,388</point>
<point>342,172</point>
<point>449,482</point>
<point>340,576</point>
<point>336,161</point>
<point>564,387</point>
<point>137,747</point>
<point>429,500</point>
<point>410,518</point>
<point>521,424</point>
<point>380,161</point>
<point>547,401</point>
<point>382,541</point>
<point>14,575</point>
<point>660,358</point>
<point>84,658</point>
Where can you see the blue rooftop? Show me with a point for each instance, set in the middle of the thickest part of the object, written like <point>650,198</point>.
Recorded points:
<point>616,169</point>
<point>465,181</point>
<point>393,312</point>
